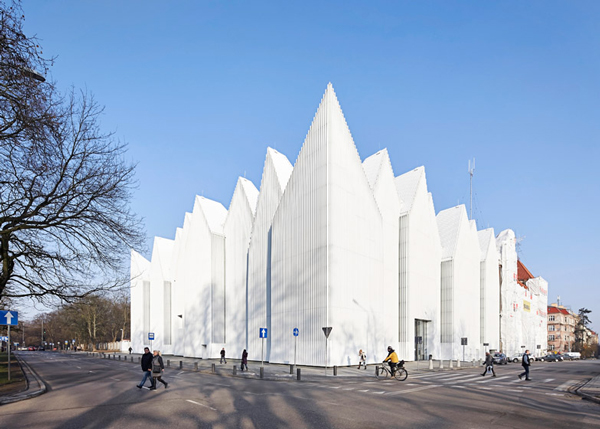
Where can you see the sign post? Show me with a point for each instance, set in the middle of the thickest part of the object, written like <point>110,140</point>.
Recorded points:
<point>9,318</point>
<point>151,338</point>
<point>463,342</point>
<point>262,333</point>
<point>296,333</point>
<point>326,331</point>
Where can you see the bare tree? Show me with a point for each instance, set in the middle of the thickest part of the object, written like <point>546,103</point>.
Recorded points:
<point>65,225</point>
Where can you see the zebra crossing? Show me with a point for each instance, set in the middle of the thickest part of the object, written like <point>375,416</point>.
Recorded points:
<point>457,380</point>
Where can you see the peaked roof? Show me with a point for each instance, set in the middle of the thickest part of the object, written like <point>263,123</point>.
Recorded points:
<point>283,167</point>
<point>407,184</point>
<point>449,221</point>
<point>214,213</point>
<point>372,166</point>
<point>485,237</point>
<point>250,192</point>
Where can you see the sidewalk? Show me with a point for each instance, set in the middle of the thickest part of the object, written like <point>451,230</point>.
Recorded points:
<point>590,390</point>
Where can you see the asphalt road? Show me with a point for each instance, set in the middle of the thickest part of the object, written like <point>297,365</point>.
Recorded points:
<point>85,392</point>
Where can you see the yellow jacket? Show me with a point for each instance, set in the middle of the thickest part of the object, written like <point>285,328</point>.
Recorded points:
<point>393,357</point>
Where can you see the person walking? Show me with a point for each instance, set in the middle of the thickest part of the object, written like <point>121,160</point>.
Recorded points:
<point>223,355</point>
<point>489,365</point>
<point>130,350</point>
<point>147,368</point>
<point>245,360</point>
<point>362,359</point>
<point>525,362</point>
<point>158,367</point>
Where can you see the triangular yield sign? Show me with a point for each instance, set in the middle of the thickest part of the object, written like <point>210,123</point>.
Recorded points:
<point>327,331</point>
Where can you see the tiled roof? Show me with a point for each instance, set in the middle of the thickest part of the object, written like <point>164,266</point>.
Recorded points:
<point>556,310</point>
<point>522,272</point>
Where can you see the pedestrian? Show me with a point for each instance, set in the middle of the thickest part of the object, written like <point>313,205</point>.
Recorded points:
<point>147,368</point>
<point>158,368</point>
<point>223,355</point>
<point>525,362</point>
<point>244,360</point>
<point>130,350</point>
<point>362,359</point>
<point>489,365</point>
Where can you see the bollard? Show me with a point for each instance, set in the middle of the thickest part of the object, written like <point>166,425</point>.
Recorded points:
<point>234,370</point>
<point>168,363</point>
<point>262,372</point>
<point>195,366</point>
<point>292,369</point>
<point>180,364</point>
<point>214,368</point>
<point>131,359</point>
<point>377,371</point>
<point>139,359</point>
<point>334,370</point>
<point>458,363</point>
<point>119,357</point>
<point>473,363</point>
<point>451,363</point>
<point>430,363</point>
<point>298,376</point>
<point>441,363</point>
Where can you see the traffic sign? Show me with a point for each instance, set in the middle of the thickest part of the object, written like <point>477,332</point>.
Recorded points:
<point>327,331</point>
<point>296,332</point>
<point>151,336</point>
<point>463,341</point>
<point>4,338</point>
<point>10,318</point>
<point>263,333</point>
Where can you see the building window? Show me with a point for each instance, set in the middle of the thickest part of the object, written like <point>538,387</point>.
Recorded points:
<point>551,328</point>
<point>550,337</point>
<point>551,318</point>
<point>551,347</point>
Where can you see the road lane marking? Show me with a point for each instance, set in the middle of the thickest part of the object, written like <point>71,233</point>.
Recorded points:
<point>378,393</point>
<point>416,389</point>
<point>565,386</point>
<point>202,405</point>
<point>548,380</point>
<point>364,390</point>
<point>484,387</point>
<point>492,379</point>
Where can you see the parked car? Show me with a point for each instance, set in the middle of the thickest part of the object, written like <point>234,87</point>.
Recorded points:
<point>516,358</point>
<point>41,348</point>
<point>572,355</point>
<point>550,358</point>
<point>500,359</point>
<point>31,348</point>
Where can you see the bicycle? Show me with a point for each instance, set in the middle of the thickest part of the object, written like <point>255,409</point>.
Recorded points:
<point>383,372</point>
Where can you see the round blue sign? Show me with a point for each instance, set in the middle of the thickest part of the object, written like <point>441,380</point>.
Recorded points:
<point>296,332</point>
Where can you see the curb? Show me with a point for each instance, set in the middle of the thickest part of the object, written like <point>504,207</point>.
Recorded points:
<point>33,382</point>
<point>577,391</point>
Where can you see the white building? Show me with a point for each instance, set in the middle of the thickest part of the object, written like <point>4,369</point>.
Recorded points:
<point>330,242</point>
<point>524,300</point>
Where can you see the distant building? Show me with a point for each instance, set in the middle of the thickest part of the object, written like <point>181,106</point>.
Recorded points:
<point>523,302</point>
<point>561,328</point>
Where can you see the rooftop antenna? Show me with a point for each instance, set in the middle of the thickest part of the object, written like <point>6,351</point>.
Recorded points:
<point>471,171</point>
<point>558,300</point>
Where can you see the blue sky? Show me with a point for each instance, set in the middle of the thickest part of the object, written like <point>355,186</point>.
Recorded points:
<point>200,89</point>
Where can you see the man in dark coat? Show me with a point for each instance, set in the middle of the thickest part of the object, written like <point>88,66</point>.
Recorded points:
<point>526,362</point>
<point>147,368</point>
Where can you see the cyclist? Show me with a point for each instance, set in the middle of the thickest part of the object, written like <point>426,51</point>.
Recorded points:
<point>392,359</point>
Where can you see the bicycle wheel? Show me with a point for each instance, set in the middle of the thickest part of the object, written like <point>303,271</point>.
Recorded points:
<point>383,373</point>
<point>401,374</point>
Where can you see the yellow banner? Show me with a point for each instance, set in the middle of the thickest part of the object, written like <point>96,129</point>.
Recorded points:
<point>526,306</point>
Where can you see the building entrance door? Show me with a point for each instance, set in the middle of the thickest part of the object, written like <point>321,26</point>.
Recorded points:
<point>421,339</point>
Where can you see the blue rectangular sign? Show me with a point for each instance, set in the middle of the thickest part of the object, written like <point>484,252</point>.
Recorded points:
<point>150,335</point>
<point>4,338</point>
<point>9,318</point>
<point>262,333</point>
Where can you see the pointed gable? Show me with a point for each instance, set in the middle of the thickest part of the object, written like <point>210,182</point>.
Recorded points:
<point>214,213</point>
<point>486,237</point>
<point>407,185</point>
<point>449,223</point>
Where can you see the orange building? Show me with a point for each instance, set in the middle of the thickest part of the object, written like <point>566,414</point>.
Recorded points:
<point>561,328</point>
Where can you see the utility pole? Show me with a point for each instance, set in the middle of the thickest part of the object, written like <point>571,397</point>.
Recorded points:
<point>471,172</point>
